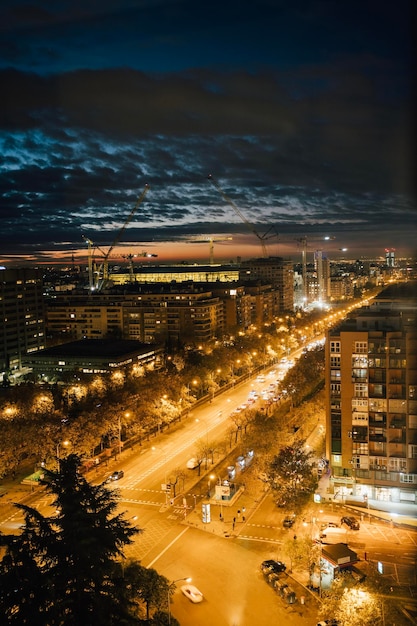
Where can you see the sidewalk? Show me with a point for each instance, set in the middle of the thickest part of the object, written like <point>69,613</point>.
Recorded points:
<point>395,513</point>
<point>227,518</point>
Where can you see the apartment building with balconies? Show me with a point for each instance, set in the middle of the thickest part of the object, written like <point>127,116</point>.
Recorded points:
<point>371,400</point>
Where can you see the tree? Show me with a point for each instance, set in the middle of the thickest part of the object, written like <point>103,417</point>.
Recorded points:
<point>305,376</point>
<point>143,589</point>
<point>63,569</point>
<point>369,604</point>
<point>290,475</point>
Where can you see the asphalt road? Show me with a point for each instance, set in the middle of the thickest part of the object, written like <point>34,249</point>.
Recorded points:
<point>225,568</point>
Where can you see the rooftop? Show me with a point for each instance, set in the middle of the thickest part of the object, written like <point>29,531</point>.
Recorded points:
<point>86,348</point>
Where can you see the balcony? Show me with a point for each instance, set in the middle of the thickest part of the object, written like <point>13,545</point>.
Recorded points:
<point>378,438</point>
<point>375,468</point>
<point>398,455</point>
<point>397,394</point>
<point>377,423</point>
<point>377,448</point>
<point>400,439</point>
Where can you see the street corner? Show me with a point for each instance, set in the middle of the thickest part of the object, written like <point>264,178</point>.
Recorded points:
<point>217,526</point>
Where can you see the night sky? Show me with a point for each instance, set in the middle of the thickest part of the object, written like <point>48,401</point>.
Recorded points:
<point>301,110</point>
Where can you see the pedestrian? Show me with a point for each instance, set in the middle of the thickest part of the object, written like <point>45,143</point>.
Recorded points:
<point>238,514</point>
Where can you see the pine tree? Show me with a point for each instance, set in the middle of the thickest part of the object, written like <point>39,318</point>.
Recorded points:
<point>63,570</point>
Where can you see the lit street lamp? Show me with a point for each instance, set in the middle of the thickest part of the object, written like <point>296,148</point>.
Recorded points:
<point>188,580</point>
<point>64,443</point>
<point>119,424</point>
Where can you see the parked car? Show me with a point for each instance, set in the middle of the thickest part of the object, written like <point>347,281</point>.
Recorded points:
<point>270,566</point>
<point>350,521</point>
<point>289,521</point>
<point>358,575</point>
<point>117,475</point>
<point>328,622</point>
<point>331,535</point>
<point>329,525</point>
<point>192,593</point>
<point>273,579</point>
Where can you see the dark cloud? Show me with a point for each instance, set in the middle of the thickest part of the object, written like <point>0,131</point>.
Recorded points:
<point>302,113</point>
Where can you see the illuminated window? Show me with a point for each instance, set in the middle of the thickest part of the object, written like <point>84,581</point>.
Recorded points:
<point>361,347</point>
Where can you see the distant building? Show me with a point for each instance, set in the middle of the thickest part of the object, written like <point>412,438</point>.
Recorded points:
<point>22,323</point>
<point>176,273</point>
<point>322,265</point>
<point>93,357</point>
<point>147,313</point>
<point>371,396</point>
<point>188,311</point>
<point>390,257</point>
<point>274,271</point>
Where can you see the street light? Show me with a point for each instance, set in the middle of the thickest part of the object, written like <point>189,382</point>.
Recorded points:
<point>64,443</point>
<point>188,580</point>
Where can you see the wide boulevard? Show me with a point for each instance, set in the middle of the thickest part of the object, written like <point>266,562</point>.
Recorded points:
<point>223,556</point>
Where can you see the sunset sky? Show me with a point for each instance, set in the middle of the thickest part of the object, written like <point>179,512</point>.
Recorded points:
<point>302,111</point>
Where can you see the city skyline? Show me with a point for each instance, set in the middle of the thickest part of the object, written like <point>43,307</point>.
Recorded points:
<point>302,114</point>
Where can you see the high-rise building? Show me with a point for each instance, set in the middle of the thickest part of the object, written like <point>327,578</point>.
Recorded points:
<point>22,327</point>
<point>390,257</point>
<point>322,266</point>
<point>371,397</point>
<point>274,271</point>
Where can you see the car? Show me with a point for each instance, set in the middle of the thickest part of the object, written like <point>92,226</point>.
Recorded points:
<point>273,578</point>
<point>270,566</point>
<point>328,622</point>
<point>193,463</point>
<point>117,475</point>
<point>192,593</point>
<point>350,521</point>
<point>325,525</point>
<point>357,574</point>
<point>333,535</point>
<point>289,521</point>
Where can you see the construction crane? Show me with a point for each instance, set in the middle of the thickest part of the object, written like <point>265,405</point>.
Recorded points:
<point>210,241</point>
<point>239,213</point>
<point>93,272</point>
<point>103,271</point>
<point>130,258</point>
<point>90,261</point>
